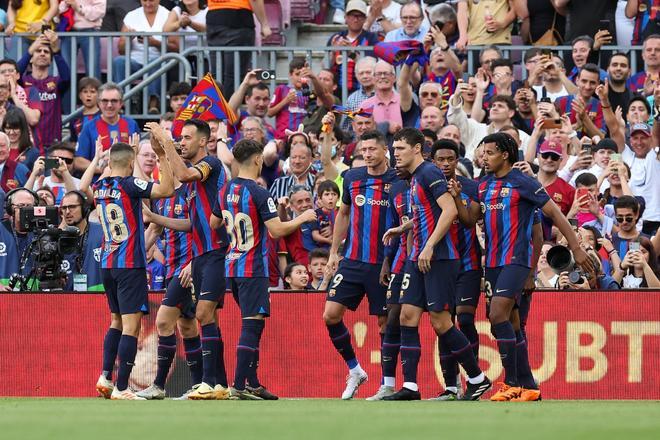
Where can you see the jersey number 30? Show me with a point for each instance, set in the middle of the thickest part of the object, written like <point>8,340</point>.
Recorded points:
<point>240,230</point>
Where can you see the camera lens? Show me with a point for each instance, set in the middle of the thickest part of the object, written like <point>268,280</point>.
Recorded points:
<point>264,75</point>
<point>575,277</point>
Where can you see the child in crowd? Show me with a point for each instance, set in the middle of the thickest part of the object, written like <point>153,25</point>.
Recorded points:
<point>326,200</point>
<point>289,102</point>
<point>295,276</point>
<point>318,258</point>
<point>88,95</point>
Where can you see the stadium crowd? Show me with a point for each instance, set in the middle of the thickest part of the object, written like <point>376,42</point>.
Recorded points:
<point>581,130</point>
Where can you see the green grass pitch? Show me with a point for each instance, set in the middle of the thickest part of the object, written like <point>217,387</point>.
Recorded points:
<point>70,419</point>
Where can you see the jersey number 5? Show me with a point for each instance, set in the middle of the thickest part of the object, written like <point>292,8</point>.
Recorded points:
<point>240,230</point>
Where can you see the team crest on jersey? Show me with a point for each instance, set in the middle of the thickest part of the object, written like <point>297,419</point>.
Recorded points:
<point>178,209</point>
<point>271,205</point>
<point>142,184</point>
<point>50,85</point>
<point>592,115</point>
<point>504,192</point>
<point>386,187</point>
<point>3,249</point>
<point>360,200</point>
<point>332,293</point>
<point>97,254</point>
<point>557,197</point>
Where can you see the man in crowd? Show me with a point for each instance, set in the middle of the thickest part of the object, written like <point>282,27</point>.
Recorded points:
<point>585,110</point>
<point>413,27</point>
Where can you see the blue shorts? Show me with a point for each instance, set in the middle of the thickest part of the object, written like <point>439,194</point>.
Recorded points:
<point>394,288</point>
<point>468,288</point>
<point>434,291</point>
<point>251,295</point>
<point>352,281</point>
<point>126,290</point>
<point>506,281</point>
<point>208,274</point>
<point>179,297</point>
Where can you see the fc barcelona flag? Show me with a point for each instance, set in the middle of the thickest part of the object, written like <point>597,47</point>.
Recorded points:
<point>204,102</point>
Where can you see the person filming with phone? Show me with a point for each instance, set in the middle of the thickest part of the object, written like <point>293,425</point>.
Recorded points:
<point>54,171</point>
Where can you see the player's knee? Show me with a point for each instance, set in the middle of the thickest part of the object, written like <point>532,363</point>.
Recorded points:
<point>187,327</point>
<point>115,321</point>
<point>330,317</point>
<point>164,327</point>
<point>465,320</point>
<point>408,319</point>
<point>441,322</point>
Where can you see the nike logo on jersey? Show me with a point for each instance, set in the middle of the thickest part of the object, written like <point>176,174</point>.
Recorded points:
<point>501,290</point>
<point>430,304</point>
<point>465,299</point>
<point>203,293</point>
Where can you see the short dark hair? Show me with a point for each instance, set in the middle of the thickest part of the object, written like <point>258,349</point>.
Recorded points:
<point>642,99</point>
<point>258,86</point>
<point>88,81</point>
<point>327,186</point>
<point>504,143</point>
<point>319,253</point>
<point>245,149</point>
<point>9,61</point>
<point>288,270</point>
<point>201,126</point>
<point>297,63</point>
<point>590,67</point>
<point>122,154</point>
<point>531,53</point>
<point>60,146</point>
<point>375,135</point>
<point>179,88</point>
<point>506,99</point>
<point>444,144</point>
<point>427,132</point>
<point>650,37</point>
<point>502,62</point>
<point>618,54</point>
<point>585,179</point>
<point>597,235</point>
<point>628,202</point>
<point>410,135</point>
<point>585,38</point>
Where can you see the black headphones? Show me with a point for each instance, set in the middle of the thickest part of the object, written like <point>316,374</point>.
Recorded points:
<point>84,204</point>
<point>9,196</point>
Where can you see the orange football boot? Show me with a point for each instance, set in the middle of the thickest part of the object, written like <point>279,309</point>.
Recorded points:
<point>506,393</point>
<point>528,395</point>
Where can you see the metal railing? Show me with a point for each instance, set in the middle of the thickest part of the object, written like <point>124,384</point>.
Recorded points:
<point>192,47</point>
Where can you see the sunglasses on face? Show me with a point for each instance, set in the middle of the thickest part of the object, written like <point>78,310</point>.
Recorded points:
<point>67,160</point>
<point>626,219</point>
<point>427,94</point>
<point>551,156</point>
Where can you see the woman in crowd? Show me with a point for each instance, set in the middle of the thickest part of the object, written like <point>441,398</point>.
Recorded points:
<point>639,268</point>
<point>21,148</point>
<point>295,276</point>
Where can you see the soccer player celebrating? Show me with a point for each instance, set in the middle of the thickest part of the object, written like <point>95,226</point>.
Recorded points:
<point>508,201</point>
<point>468,284</point>
<point>206,177</point>
<point>432,269</point>
<point>249,213</point>
<point>123,258</point>
<point>361,220</point>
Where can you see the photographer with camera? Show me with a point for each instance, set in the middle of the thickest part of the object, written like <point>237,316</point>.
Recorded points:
<point>59,161</point>
<point>83,266</point>
<point>13,239</point>
<point>560,259</point>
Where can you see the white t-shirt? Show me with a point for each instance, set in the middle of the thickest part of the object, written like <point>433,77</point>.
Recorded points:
<point>645,180</point>
<point>392,13</point>
<point>136,20</point>
<point>200,18</point>
<point>58,188</point>
<point>551,95</point>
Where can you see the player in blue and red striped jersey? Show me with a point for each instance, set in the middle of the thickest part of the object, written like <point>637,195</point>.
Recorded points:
<point>361,220</point>
<point>651,56</point>
<point>205,177</point>
<point>585,110</point>
<point>177,308</point>
<point>445,154</point>
<point>431,270</point>
<point>391,274</point>
<point>123,259</point>
<point>249,213</point>
<point>508,201</point>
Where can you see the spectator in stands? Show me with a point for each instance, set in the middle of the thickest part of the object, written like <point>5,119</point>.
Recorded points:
<point>444,66</point>
<point>383,16</point>
<point>549,158</point>
<point>642,81</point>
<point>257,98</point>
<point>16,240</point>
<point>499,82</point>
<point>586,208</point>
<point>87,17</point>
<point>109,127</point>
<point>60,180</point>
<point>585,110</point>
<point>386,103</point>
<point>231,23</point>
<point>554,82</point>
<point>177,94</point>
<point>538,17</point>
<point>331,158</point>
<point>618,72</point>
<point>253,128</point>
<point>147,159</point>
<point>325,99</point>
<point>432,119</point>
<point>639,268</point>
<point>27,16</point>
<point>326,202</point>
<point>627,212</point>
<point>26,100</point>
<point>644,25</point>
<point>481,23</point>
<point>413,26</point>
<point>617,175</point>
<point>601,153</point>
<point>355,35</point>
<point>364,72</point>
<point>115,12</point>
<point>167,120</point>
<point>88,95</point>
<point>187,16</point>
<point>290,101</point>
<point>40,56</point>
<point>295,276</point>
<point>21,148</point>
<point>298,201</point>
<point>546,278</point>
<point>583,17</point>
<point>150,17</point>
<point>644,163</point>
<point>318,258</point>
<point>12,174</point>
<point>46,196</point>
<point>299,151</point>
<point>584,52</point>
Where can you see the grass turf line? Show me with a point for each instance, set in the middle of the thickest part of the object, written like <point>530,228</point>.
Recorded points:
<point>74,419</point>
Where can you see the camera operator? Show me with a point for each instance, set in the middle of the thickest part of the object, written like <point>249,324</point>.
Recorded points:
<point>13,239</point>
<point>579,280</point>
<point>83,267</point>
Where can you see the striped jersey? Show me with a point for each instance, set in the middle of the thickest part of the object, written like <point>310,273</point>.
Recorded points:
<point>202,195</point>
<point>292,115</point>
<point>593,109</point>
<point>468,245</point>
<point>508,205</point>
<point>368,199</point>
<point>397,214</point>
<point>119,206</point>
<point>178,245</point>
<point>245,208</point>
<point>427,185</point>
<point>636,82</point>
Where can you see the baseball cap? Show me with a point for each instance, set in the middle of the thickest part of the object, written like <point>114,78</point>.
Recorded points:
<point>356,5</point>
<point>606,144</point>
<point>551,145</point>
<point>640,126</point>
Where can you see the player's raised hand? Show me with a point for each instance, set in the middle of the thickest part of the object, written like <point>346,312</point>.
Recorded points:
<point>454,187</point>
<point>424,259</point>
<point>308,216</point>
<point>391,234</point>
